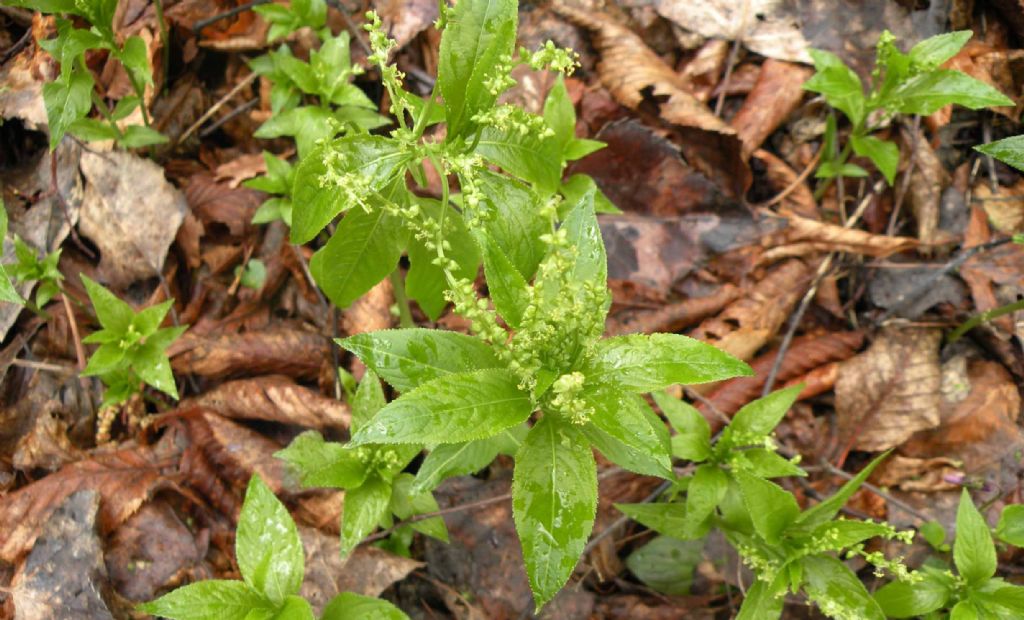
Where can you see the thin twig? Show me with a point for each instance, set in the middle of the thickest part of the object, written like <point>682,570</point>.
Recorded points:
<point>19,45</point>
<point>55,368</point>
<point>986,136</point>
<point>811,165</point>
<point>215,125</point>
<point>217,106</point>
<point>730,62</point>
<point>480,503</point>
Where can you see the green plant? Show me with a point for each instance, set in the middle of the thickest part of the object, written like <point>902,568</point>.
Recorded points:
<point>911,83</point>
<point>730,489</point>
<point>375,486</point>
<point>132,346</point>
<point>7,291</point>
<point>31,268</point>
<point>973,591</point>
<point>70,98</point>
<point>270,557</point>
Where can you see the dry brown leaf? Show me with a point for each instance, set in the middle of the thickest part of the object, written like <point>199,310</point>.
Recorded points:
<point>275,398</point>
<point>368,571</point>
<point>628,68</point>
<point>237,451</point>
<point>927,181</point>
<point>64,575</point>
<point>240,168</point>
<point>371,312</point>
<point>219,203</point>
<point>805,232</point>
<point>671,316</point>
<point>702,73</point>
<point>130,212</point>
<point>999,68</point>
<point>980,408</point>
<point>281,350</point>
<point>124,479</point>
<point>804,355</point>
<point>922,475</point>
<point>891,391</point>
<point>404,19</point>
<point>748,324</point>
<point>776,95</point>
<point>995,278</point>
<point>782,178</point>
<point>1004,207</point>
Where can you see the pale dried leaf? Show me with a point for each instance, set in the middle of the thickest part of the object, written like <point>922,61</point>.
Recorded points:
<point>130,212</point>
<point>927,180</point>
<point>404,19</point>
<point>776,95</point>
<point>891,391</point>
<point>286,351</point>
<point>371,312</point>
<point>1004,207</point>
<point>240,168</point>
<point>275,398</point>
<point>831,237</point>
<point>924,475</point>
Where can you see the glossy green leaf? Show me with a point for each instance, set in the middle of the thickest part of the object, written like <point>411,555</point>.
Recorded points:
<point>148,320</point>
<point>138,136</point>
<point>831,170</point>
<point>528,156</point>
<point>933,533</point>
<point>367,401</point>
<point>574,187</point>
<point>349,606</point>
<point>838,83</point>
<point>829,583</point>
<point>934,51</point>
<point>66,101</point>
<point>455,459</point>
<point>1011,525</point>
<point>621,415</point>
<point>707,489</point>
<point>554,500</point>
<point>425,282</point>
<point>973,550</point>
<point>92,130</point>
<point>760,417</point>
<point>884,154</point>
<point>966,609</point>
<point>646,363</point>
<point>764,600</point>
<point>927,92</point>
<point>669,519</point>
<point>363,250</point>
<point>693,441</point>
<point>316,195</point>
<point>584,234</point>
<point>848,532</point>
<point>900,599</point>
<point>451,409</point>
<point>321,463</point>
<point>826,510</point>
<point>213,599</point>
<point>765,463</point>
<point>294,608</point>
<point>478,34</point>
<point>667,564</point>
<point>1009,151</point>
<point>772,509</point>
<point>507,288</point>
<point>134,55</point>
<point>151,363</point>
<point>578,149</point>
<point>408,358</point>
<point>267,544</point>
<point>516,224</point>
<point>406,502</point>
<point>364,508</point>
<point>113,314</point>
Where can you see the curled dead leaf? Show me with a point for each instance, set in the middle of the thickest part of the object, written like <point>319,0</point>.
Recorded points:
<point>923,475</point>
<point>220,203</point>
<point>802,232</point>
<point>274,398</point>
<point>889,392</point>
<point>285,351</point>
<point>776,95</point>
<point>928,178</point>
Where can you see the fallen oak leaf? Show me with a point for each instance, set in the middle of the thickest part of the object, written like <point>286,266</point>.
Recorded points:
<point>809,233</point>
<point>282,350</point>
<point>275,398</point>
<point>775,96</point>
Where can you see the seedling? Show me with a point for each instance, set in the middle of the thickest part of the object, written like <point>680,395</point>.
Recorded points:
<point>31,268</point>
<point>911,83</point>
<point>132,346</point>
<point>270,557</point>
<point>70,98</point>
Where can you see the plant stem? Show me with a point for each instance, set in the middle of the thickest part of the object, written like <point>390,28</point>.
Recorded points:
<point>404,313</point>
<point>983,317</point>
<point>839,161</point>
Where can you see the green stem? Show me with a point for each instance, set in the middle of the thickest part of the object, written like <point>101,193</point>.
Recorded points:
<point>404,312</point>
<point>102,107</point>
<point>983,317</point>
<point>839,161</point>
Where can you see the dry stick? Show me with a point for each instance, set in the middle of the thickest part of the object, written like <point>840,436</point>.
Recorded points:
<point>730,63</point>
<point>480,503</point>
<point>54,368</point>
<point>357,33</point>
<point>17,47</point>
<point>217,106</point>
<point>795,184</point>
<point>986,135</point>
<point>905,181</point>
<point>203,23</point>
<point>823,269</point>
<point>248,105</point>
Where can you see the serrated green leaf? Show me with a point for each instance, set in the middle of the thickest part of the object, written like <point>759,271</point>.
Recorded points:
<point>267,545</point>
<point>138,136</point>
<point>772,509</point>
<point>764,600</point>
<point>349,606</point>
<point>884,154</point>
<point>153,366</point>
<point>374,158</point>
<point>760,417</point>
<point>456,459</point>
<point>507,288</point>
<point>765,463</point>
<point>367,401</point>
<point>213,599</point>
<point>584,234</point>
<point>646,363</point>
<point>830,582</point>
<point>516,225</point>
<point>478,34</point>
<point>406,502</point>
<point>113,314</point>
<point>294,608</point>
<point>426,282</point>
<point>408,358</point>
<point>927,92</point>
<point>693,441</point>
<point>554,500</point>
<point>621,416</point>
<point>900,599</point>
<point>1011,525</point>
<point>307,124</point>
<point>364,508</point>
<point>974,553</point>
<point>669,519</point>
<point>577,185</point>
<point>528,156</point>
<point>934,51</point>
<point>707,489</point>
<point>66,101</point>
<point>667,564</point>
<point>323,464</point>
<point>826,510</point>
<point>451,409</point>
<point>148,320</point>
<point>1009,151</point>
<point>364,249</point>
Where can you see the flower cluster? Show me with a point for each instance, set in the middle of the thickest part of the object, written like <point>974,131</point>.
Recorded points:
<point>566,401</point>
